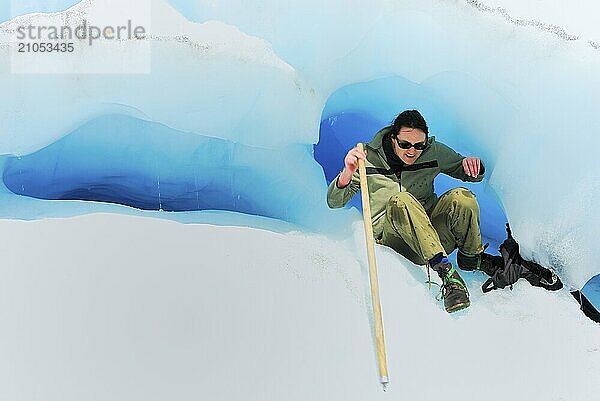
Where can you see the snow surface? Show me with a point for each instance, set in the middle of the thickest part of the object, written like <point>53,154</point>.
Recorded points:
<point>106,307</point>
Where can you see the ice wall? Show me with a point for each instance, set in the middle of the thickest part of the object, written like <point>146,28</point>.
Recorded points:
<point>193,134</point>
<point>153,167</point>
<point>521,96</point>
<point>14,8</point>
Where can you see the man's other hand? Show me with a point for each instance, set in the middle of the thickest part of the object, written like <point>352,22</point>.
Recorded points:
<point>472,166</point>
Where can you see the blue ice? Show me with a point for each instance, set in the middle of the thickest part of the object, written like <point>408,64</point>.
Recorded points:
<point>128,161</point>
<point>14,8</point>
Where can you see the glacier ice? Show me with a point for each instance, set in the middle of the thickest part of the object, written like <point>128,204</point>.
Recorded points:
<point>153,167</point>
<point>228,126</point>
<point>519,96</point>
<point>14,8</point>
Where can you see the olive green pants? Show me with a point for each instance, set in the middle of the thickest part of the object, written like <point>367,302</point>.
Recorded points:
<point>453,222</point>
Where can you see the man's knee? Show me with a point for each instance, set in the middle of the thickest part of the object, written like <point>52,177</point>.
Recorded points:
<point>464,198</point>
<point>402,200</point>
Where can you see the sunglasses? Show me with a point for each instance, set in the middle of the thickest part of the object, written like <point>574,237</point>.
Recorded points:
<point>407,145</point>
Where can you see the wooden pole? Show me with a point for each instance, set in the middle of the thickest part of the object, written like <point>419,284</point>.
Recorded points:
<point>381,356</point>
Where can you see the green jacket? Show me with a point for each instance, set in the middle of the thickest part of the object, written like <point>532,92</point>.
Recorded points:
<point>385,181</point>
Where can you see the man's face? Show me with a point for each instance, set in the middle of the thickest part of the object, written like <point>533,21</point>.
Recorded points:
<point>408,136</point>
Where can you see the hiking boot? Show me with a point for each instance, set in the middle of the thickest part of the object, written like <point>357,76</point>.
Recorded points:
<point>453,290</point>
<point>551,284</point>
<point>539,276</point>
<point>484,262</point>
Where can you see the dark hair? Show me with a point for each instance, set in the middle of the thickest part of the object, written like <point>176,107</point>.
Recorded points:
<point>409,119</point>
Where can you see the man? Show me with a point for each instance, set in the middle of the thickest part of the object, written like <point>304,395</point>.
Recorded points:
<point>402,162</point>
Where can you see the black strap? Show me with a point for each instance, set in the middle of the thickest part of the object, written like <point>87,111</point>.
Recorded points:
<point>508,231</point>
<point>486,286</point>
<point>586,306</point>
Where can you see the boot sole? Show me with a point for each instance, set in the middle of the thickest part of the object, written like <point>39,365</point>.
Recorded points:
<point>457,307</point>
